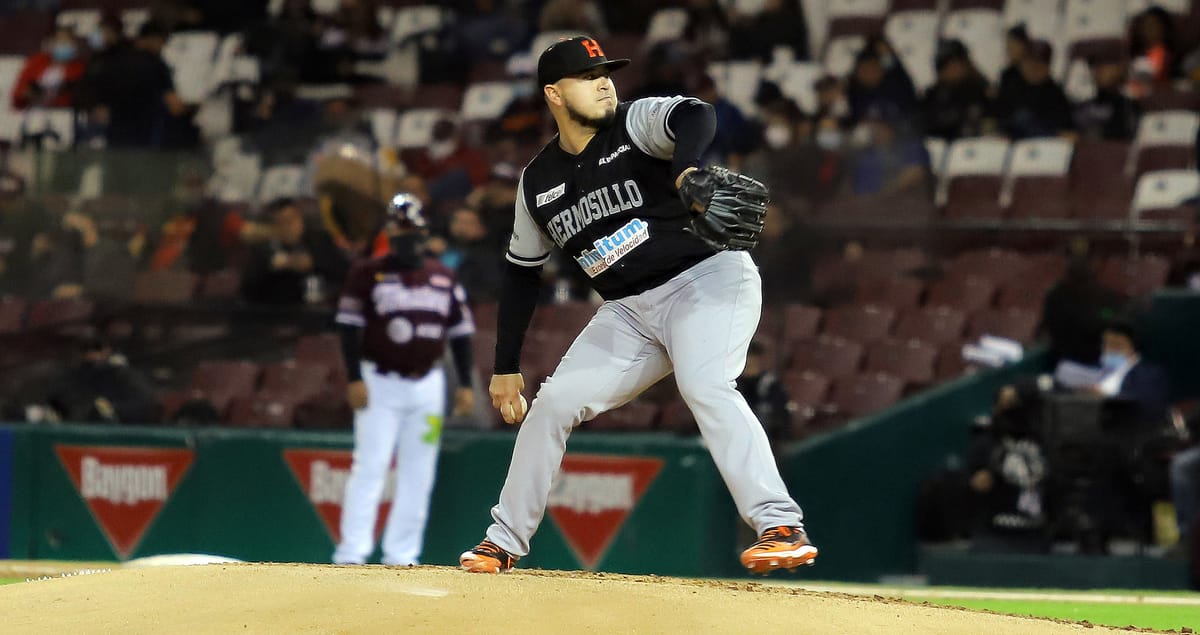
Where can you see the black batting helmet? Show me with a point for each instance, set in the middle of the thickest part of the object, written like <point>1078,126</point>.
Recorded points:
<point>405,210</point>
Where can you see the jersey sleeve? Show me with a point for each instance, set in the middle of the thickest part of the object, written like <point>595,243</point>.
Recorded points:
<point>647,124</point>
<point>356,295</point>
<point>460,322</point>
<point>529,246</point>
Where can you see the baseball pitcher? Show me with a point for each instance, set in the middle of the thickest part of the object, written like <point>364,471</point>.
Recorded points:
<point>664,243</point>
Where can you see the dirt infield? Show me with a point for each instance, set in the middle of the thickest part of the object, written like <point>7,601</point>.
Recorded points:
<point>294,598</point>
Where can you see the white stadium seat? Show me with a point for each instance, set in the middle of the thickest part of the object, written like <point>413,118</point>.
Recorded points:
<point>666,25</point>
<point>738,82</point>
<point>415,127</point>
<point>840,53</point>
<point>82,22</point>
<point>486,100</point>
<point>797,83</point>
<point>281,180</point>
<point>191,55</point>
<point>1036,157</point>
<point>1041,18</point>
<point>410,21</point>
<point>1164,189</point>
<point>936,148</point>
<point>982,32</point>
<point>383,125</point>
<point>979,156</point>
<point>913,35</point>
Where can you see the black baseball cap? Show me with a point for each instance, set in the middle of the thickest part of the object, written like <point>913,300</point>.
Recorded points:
<point>576,55</point>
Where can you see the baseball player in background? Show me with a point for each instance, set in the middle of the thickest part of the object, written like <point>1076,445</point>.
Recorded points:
<point>663,243</point>
<point>395,316</point>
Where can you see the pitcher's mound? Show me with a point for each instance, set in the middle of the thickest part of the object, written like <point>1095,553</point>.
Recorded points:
<point>296,598</point>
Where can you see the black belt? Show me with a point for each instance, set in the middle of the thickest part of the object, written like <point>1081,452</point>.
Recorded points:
<point>408,375</point>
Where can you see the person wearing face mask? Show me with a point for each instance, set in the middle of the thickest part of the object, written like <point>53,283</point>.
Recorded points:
<point>449,166</point>
<point>1128,377</point>
<point>397,315</point>
<point>48,76</point>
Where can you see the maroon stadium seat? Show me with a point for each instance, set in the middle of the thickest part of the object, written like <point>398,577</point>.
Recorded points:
<point>909,359</point>
<point>830,355</point>
<point>956,5</point>
<point>1040,197</point>
<point>22,31</point>
<point>223,380</point>
<point>303,380</point>
<point>865,26</point>
<point>800,321</point>
<point>1170,99</point>
<point>770,324</point>
<point>935,324</point>
<point>324,349</point>
<point>807,392</point>
<point>974,196</point>
<point>163,287</point>
<point>1135,277</point>
<point>864,323</point>
<point>950,364</point>
<point>993,264</point>
<point>223,284</point>
<point>1157,158</point>
<point>1028,292</point>
<point>969,293</point>
<point>12,312</point>
<point>865,394</point>
<point>484,314</point>
<point>55,312</point>
<point>262,410</point>
<point>890,262</point>
<point>894,291</point>
<point>1012,323</point>
<point>1099,187</point>
<point>445,96</point>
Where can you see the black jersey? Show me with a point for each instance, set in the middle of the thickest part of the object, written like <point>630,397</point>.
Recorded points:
<point>613,208</point>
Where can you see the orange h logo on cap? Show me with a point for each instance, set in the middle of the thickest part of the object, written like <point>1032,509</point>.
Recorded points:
<point>593,48</point>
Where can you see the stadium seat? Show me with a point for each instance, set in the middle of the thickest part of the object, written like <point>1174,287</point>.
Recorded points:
<point>221,285</point>
<point>1161,195</point>
<point>770,324</point>
<point>21,32</point>
<point>1166,140</point>
<point>223,380</point>
<point>674,416</point>
<point>1012,323</point>
<point>483,354</point>
<point>261,410</point>
<point>82,22</point>
<point>908,359</point>
<point>1100,189</point>
<point>383,125</point>
<point>830,355</point>
<point>982,31</point>
<point>868,393</point>
<point>163,287</point>
<point>970,185</point>
<point>968,293</point>
<point>995,264</point>
<point>800,321</point>
<point>46,313</point>
<point>1170,99</point>
<point>1028,291</point>
<point>855,17</point>
<point>1083,21</point>
<point>191,55</point>
<point>890,262</point>
<point>958,5</point>
<point>936,324</point>
<point>864,323</point>
<point>1036,183</point>
<point>797,80</point>
<point>300,380</point>
<point>950,363</point>
<point>281,181</point>
<point>738,82</point>
<point>324,349</point>
<point>1041,18</point>
<point>12,313</point>
<point>895,291</point>
<point>410,21</point>
<point>54,128</point>
<point>838,59</point>
<point>1135,277</point>
<point>566,319</point>
<point>936,148</point>
<point>415,127</point>
<point>486,100</point>
<point>807,397</point>
<point>484,315</point>
<point>635,415</point>
<point>666,25</point>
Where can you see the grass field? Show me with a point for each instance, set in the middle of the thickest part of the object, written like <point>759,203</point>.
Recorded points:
<point>10,580</point>
<point>1120,615</point>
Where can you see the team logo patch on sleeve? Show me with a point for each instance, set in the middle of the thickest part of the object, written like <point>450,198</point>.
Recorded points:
<point>611,248</point>
<point>551,194</point>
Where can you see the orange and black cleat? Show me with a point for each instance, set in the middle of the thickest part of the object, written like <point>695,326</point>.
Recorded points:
<point>487,557</point>
<point>779,548</point>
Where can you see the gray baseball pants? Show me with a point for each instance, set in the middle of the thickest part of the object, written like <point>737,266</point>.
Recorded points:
<point>699,325</point>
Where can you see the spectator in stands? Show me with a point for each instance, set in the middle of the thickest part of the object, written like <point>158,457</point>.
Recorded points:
<point>584,16</point>
<point>298,264</point>
<point>736,135</point>
<point>1008,470</point>
<point>1129,377</point>
<point>1152,47</point>
<point>494,201</point>
<point>663,73</point>
<point>138,100</point>
<point>476,260</point>
<point>955,105</point>
<point>102,388</point>
<point>1076,310</point>
<point>784,255</point>
<point>764,393</point>
<point>707,28</point>
<point>49,76</point>
<point>790,162</point>
<point>780,23</point>
<point>106,44</point>
<point>56,258</point>
<point>886,163</point>
<point>450,167</point>
<point>1016,48</point>
<point>1034,105</point>
<point>831,101</point>
<point>1109,114</point>
<point>109,262</point>
<point>204,239</point>
<point>877,90</point>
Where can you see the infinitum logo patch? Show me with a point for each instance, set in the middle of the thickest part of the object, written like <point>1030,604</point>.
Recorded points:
<point>611,248</point>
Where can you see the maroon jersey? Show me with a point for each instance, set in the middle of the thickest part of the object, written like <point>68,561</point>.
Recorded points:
<point>406,314</point>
